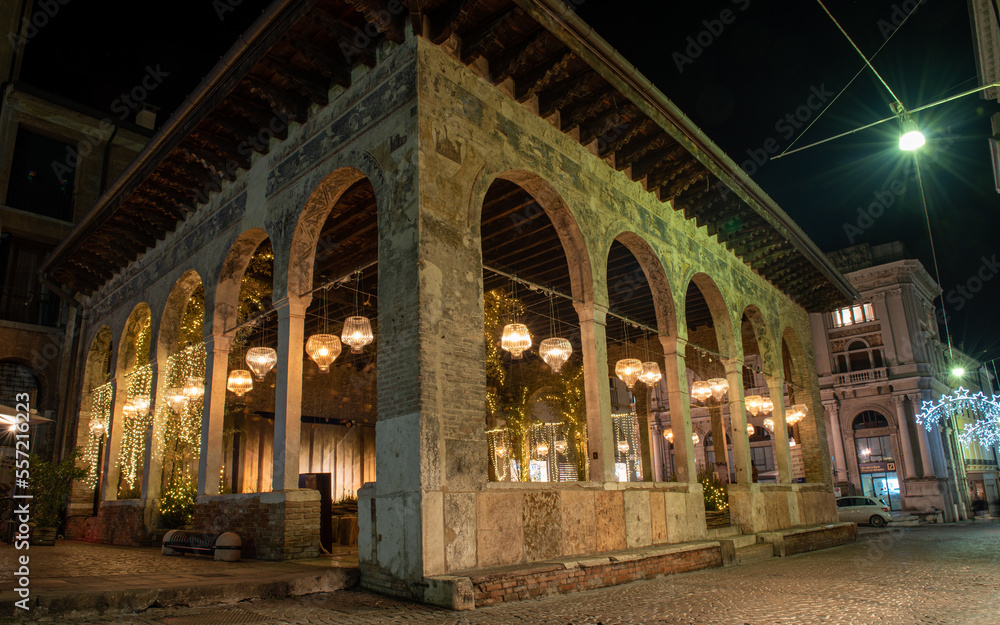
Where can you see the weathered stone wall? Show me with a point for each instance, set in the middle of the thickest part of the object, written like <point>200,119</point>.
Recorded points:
<point>272,526</point>
<point>117,523</point>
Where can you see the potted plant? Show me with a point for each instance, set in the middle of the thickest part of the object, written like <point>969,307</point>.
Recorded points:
<point>50,483</point>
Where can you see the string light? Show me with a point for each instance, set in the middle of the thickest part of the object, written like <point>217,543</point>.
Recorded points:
<point>625,428</point>
<point>102,400</point>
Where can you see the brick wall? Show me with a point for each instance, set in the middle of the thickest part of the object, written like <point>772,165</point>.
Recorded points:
<point>553,579</point>
<point>272,526</point>
<point>820,539</point>
<point>116,523</point>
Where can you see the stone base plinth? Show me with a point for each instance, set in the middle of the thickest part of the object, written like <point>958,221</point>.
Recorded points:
<point>282,525</point>
<point>124,522</point>
<point>770,507</point>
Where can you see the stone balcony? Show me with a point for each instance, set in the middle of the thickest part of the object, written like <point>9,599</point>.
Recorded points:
<point>860,377</point>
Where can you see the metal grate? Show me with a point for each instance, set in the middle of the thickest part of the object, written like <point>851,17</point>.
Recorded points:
<point>220,616</point>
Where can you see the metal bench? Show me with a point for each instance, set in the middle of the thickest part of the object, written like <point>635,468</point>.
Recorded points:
<point>223,546</point>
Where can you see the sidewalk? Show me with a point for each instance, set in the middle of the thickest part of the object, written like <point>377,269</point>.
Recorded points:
<point>77,576</point>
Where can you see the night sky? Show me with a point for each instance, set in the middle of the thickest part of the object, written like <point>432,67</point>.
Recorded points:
<point>737,68</point>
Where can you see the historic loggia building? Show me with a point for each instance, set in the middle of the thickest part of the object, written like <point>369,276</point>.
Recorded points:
<point>402,176</point>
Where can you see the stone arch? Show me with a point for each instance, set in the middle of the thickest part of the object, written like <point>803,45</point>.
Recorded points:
<point>301,255</point>
<point>225,303</point>
<point>873,413</point>
<point>129,355</point>
<point>770,353</point>
<point>563,220</point>
<point>719,310</point>
<point>802,389</point>
<point>173,312</point>
<point>795,368</point>
<point>656,277</point>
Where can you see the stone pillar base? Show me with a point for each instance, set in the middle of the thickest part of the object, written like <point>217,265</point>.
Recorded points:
<point>282,525</point>
<point>124,522</point>
<point>770,507</point>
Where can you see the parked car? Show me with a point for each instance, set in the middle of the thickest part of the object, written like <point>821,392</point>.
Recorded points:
<point>863,510</point>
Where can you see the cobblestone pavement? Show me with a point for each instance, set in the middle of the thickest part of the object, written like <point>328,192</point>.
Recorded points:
<point>916,575</point>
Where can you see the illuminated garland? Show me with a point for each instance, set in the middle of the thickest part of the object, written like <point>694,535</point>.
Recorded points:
<point>985,429</point>
<point>102,400</point>
<point>627,449</point>
<point>138,383</point>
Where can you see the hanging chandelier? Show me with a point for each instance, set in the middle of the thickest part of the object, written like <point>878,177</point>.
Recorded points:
<point>623,447</point>
<point>701,390</point>
<point>669,435</point>
<point>323,349</point>
<point>561,446</point>
<point>96,428</point>
<point>194,388</point>
<point>515,339</point>
<point>555,352</point>
<point>628,370</point>
<point>795,414</point>
<point>766,406</point>
<point>695,438</point>
<point>140,404</point>
<point>240,382</point>
<point>357,333</point>
<point>750,429</point>
<point>754,403</point>
<point>128,410</point>
<point>650,374</point>
<point>543,448</point>
<point>719,386</point>
<point>176,399</point>
<point>769,424</point>
<point>261,360</point>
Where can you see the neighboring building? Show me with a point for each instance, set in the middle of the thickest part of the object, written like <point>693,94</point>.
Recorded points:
<point>430,175</point>
<point>55,159</point>
<point>985,16</point>
<point>878,360</point>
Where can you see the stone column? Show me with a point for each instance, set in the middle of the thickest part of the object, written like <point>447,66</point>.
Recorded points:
<point>213,413</point>
<point>904,436</point>
<point>718,438</point>
<point>837,435</point>
<point>152,466</point>
<point>738,423</point>
<point>600,437</point>
<point>645,431</point>
<point>288,392</point>
<point>675,376</point>
<point>888,337</point>
<point>782,456</point>
<point>114,443</point>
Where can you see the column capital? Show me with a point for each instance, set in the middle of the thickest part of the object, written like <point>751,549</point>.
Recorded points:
<point>591,311</point>
<point>673,345</point>
<point>899,399</point>
<point>878,296</point>
<point>292,306</point>
<point>732,365</point>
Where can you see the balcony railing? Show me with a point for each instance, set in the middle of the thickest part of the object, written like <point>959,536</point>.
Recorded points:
<point>35,307</point>
<point>860,377</point>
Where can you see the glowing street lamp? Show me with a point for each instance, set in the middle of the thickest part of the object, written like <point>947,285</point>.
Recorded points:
<point>911,137</point>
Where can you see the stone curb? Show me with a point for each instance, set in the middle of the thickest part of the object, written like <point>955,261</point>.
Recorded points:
<point>67,604</point>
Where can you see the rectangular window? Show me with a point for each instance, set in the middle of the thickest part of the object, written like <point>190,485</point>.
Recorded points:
<point>862,313</point>
<point>41,178</point>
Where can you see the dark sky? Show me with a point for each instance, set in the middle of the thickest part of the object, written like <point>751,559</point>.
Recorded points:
<point>737,81</point>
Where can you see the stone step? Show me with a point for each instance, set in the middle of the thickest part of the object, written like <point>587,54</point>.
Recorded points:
<point>716,533</point>
<point>743,540</point>
<point>754,553</point>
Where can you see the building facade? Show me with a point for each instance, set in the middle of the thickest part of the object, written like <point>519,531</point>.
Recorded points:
<point>878,361</point>
<point>428,184</point>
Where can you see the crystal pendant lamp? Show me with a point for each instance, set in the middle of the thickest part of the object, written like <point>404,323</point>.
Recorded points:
<point>515,339</point>
<point>323,349</point>
<point>240,382</point>
<point>753,403</point>
<point>176,399</point>
<point>357,333</point>
<point>194,388</point>
<point>650,373</point>
<point>261,360</point>
<point>555,352</point>
<point>719,386</point>
<point>628,370</point>
<point>701,390</point>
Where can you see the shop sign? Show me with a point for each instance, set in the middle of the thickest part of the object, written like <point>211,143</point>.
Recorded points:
<point>877,467</point>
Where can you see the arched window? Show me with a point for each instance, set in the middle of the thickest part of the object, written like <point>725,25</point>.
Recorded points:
<point>870,419</point>
<point>17,378</point>
<point>858,355</point>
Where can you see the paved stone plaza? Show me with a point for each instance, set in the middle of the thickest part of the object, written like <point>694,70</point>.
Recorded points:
<point>944,574</point>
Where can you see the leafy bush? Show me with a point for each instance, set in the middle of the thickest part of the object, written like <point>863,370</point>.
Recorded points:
<point>177,503</point>
<point>50,483</point>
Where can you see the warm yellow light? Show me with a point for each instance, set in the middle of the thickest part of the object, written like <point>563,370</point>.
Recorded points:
<point>701,390</point>
<point>515,339</point>
<point>555,352</point>
<point>623,447</point>
<point>766,406</point>
<point>176,399</point>
<point>240,382</point>
<point>323,349</point>
<point>543,448</point>
<point>754,403</point>
<point>769,424</point>
<point>561,446</point>
<point>719,386</point>
<point>750,429</point>
<point>357,333</point>
<point>194,388</point>
<point>669,435</point>
<point>695,438</point>
<point>628,370</point>
<point>96,427</point>
<point>650,373</point>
